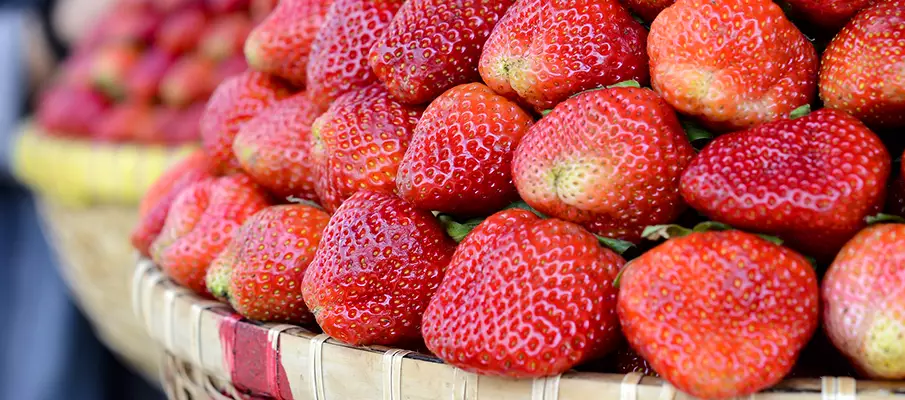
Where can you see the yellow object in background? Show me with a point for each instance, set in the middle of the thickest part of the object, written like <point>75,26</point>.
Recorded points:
<point>81,173</point>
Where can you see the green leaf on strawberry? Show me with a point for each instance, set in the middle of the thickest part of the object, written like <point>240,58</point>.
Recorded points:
<point>883,218</point>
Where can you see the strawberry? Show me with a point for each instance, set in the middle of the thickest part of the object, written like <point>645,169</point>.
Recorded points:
<point>339,53</point>
<point>230,67</point>
<point>182,30</point>
<point>863,68</point>
<point>359,143</point>
<point>281,44</point>
<point>225,36</point>
<point>272,251</point>
<point>810,181</point>
<point>226,6</point>
<point>864,306</point>
<point>459,161</point>
<point>189,80</point>
<point>220,271</point>
<point>648,9</point>
<point>434,45</point>
<point>70,110</point>
<point>123,122</point>
<point>829,14</point>
<point>379,262</point>
<point>111,67</point>
<point>233,103</point>
<point>144,79</point>
<point>731,64</point>
<point>134,24</point>
<point>584,44</point>
<point>274,147</point>
<point>155,204</point>
<point>260,9</point>
<point>200,224</point>
<point>719,314</point>
<point>609,160</point>
<point>525,297</point>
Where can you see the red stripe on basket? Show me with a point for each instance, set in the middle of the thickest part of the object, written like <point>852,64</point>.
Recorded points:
<point>250,359</point>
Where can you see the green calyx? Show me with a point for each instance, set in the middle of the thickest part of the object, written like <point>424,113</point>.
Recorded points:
<point>800,112</point>
<point>658,232</point>
<point>884,218</point>
<point>619,246</point>
<point>458,230</point>
<point>695,133</point>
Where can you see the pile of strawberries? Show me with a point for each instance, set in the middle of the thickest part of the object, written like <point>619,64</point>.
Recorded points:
<point>146,69</point>
<point>494,182</point>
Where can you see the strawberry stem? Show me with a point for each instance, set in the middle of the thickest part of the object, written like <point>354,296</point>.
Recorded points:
<point>800,111</point>
<point>884,218</point>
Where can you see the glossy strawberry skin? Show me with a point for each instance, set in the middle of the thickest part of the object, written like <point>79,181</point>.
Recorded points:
<point>275,147</point>
<point>648,9</point>
<point>378,264</point>
<point>861,72</point>
<point>525,297</point>
<point>731,64</point>
<point>811,180</point>
<point>830,14</point>
<point>234,102</point>
<point>155,205</point>
<point>359,143</point>
<point>274,248</point>
<point>719,314</point>
<point>339,53</point>
<point>609,160</point>
<point>201,223</point>
<point>459,160</point>
<point>864,306</point>
<point>434,45</point>
<point>584,45</point>
<point>281,43</point>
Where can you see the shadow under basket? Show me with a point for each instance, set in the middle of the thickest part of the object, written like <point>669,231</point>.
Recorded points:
<point>212,353</point>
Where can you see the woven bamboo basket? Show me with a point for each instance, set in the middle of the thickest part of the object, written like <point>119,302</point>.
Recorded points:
<point>89,196</point>
<point>211,353</point>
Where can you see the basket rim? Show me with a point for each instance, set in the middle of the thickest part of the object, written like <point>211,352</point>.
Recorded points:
<point>151,286</point>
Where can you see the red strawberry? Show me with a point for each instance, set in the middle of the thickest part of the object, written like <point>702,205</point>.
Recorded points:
<point>189,80</point>
<point>182,30</point>
<point>157,200</point>
<point>76,71</point>
<point>864,302</point>
<point>719,314</point>
<point>281,44</point>
<point>226,6</point>
<point>379,262</point>
<point>359,143</point>
<point>863,68</point>
<point>200,223</point>
<point>460,158</point>
<point>273,249</point>
<point>275,147</point>
<point>830,14</point>
<point>68,110</point>
<point>127,24</point>
<point>525,297</point>
<point>234,102</point>
<point>171,126</point>
<point>230,67</point>
<point>434,45</point>
<point>225,36</point>
<point>733,63</point>
<point>221,269</point>
<point>143,80</point>
<point>810,180</point>
<point>609,160</point>
<point>123,122</point>
<point>584,44</point>
<point>339,54</point>
<point>648,9</point>
<point>111,67</point>
<point>260,9</point>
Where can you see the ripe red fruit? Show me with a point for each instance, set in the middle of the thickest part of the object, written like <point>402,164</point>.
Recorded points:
<point>132,24</point>
<point>233,103</point>
<point>260,9</point>
<point>200,223</point>
<point>281,44</point>
<point>143,80</point>
<point>230,67</point>
<point>272,252</point>
<point>111,68</point>
<point>379,262</point>
<point>189,80</point>
<point>460,157</point>
<point>434,45</point>
<point>648,10</point>
<point>123,122</point>
<point>829,14</point>
<point>70,110</point>
<point>275,147</point>
<point>864,306</point>
<point>226,6</point>
<point>810,181</point>
<point>583,45</point>
<point>182,30</point>
<point>719,314</point>
<point>225,36</point>
<point>359,143</point>
<point>525,297</point>
<point>155,205</point>
<point>608,159</point>
<point>339,53</point>
<point>862,68</point>
<point>732,64</point>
